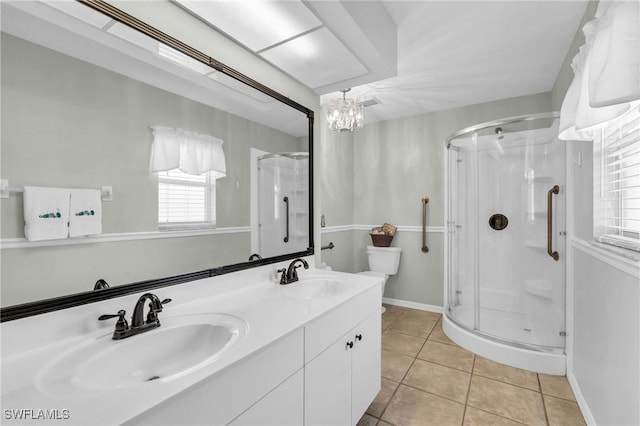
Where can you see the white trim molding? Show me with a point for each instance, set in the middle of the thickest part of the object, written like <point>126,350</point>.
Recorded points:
<point>401,228</point>
<point>414,305</point>
<point>581,400</point>
<point>13,243</point>
<point>614,259</point>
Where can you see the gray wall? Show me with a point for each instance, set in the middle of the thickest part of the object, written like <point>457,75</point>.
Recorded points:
<point>393,165</point>
<point>603,302</point>
<point>67,123</point>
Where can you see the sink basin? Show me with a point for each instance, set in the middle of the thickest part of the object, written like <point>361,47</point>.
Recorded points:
<point>181,345</point>
<point>308,289</point>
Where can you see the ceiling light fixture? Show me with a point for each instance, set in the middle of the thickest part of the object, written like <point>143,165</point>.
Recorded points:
<point>345,115</point>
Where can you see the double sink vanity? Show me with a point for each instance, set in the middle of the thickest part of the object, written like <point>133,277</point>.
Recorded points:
<point>235,349</point>
<point>238,343</point>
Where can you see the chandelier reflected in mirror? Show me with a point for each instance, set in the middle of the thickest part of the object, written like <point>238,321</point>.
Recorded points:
<point>345,115</point>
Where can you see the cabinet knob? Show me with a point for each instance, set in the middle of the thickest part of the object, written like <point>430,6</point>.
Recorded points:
<point>358,336</point>
<point>349,345</point>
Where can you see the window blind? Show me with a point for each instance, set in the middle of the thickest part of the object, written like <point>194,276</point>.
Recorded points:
<point>185,200</point>
<point>619,209</point>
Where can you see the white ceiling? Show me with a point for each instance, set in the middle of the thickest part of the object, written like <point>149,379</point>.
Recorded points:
<point>413,56</point>
<point>453,53</point>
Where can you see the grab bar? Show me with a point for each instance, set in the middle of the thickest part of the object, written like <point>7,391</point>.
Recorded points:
<point>554,190</point>
<point>425,200</point>
<point>286,202</point>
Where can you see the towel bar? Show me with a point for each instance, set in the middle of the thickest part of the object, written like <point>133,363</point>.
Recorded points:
<point>5,189</point>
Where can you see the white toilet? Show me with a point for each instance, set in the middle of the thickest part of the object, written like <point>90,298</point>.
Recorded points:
<point>383,262</point>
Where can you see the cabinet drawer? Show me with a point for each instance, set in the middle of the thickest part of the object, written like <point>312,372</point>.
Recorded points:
<point>322,332</point>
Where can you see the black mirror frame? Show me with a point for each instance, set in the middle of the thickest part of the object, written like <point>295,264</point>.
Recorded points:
<point>48,305</point>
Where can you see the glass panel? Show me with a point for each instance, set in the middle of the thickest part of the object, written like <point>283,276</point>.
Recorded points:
<point>501,280</point>
<point>522,292</point>
<point>283,181</point>
<point>462,234</point>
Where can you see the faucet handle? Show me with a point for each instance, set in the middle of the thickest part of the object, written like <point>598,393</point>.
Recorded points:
<point>121,324</point>
<point>152,316</point>
<point>283,277</point>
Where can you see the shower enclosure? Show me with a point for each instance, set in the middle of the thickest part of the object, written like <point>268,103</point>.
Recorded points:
<point>505,263</point>
<point>282,200</point>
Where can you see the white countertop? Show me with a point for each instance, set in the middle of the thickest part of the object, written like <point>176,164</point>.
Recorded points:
<point>30,344</point>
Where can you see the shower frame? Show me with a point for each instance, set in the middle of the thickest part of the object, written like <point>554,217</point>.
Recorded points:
<point>517,354</point>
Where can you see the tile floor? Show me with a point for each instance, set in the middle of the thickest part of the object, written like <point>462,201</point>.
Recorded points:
<point>429,380</point>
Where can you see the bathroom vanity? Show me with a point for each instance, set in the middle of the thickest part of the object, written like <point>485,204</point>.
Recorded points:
<point>303,353</point>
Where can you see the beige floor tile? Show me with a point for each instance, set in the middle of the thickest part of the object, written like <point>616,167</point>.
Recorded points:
<point>367,420</point>
<point>421,315</point>
<point>561,412</point>
<point>515,376</point>
<point>383,423</point>
<point>386,322</point>
<point>401,343</point>
<point>448,355</point>
<point>411,406</point>
<point>556,386</point>
<point>438,335</point>
<point>395,365</point>
<point>392,311</point>
<point>442,381</point>
<point>382,399</point>
<point>516,403</point>
<point>475,417</point>
<point>419,327</point>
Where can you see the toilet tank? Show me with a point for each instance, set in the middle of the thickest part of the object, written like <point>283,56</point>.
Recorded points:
<point>384,259</point>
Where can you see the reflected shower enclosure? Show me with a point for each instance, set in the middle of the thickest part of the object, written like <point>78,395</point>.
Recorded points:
<point>505,263</point>
<point>283,199</point>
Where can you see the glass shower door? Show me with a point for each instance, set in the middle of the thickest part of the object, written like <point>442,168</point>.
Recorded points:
<point>283,181</point>
<point>520,222</point>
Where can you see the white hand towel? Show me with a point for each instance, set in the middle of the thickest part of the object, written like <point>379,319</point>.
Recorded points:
<point>85,216</point>
<point>46,213</point>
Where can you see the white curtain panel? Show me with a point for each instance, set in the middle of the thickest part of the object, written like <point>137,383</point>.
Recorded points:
<point>606,70</point>
<point>191,152</point>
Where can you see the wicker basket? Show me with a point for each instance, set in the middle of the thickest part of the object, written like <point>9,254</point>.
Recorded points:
<point>381,240</point>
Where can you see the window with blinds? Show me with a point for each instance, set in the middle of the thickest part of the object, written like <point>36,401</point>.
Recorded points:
<point>185,201</point>
<point>617,208</point>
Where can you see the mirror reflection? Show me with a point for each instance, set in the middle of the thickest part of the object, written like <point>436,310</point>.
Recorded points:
<point>89,103</point>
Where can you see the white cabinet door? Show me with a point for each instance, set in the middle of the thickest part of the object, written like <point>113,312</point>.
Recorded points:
<point>365,365</point>
<point>283,406</point>
<point>328,386</point>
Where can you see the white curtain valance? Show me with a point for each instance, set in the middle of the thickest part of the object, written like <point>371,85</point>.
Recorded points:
<point>190,152</point>
<point>606,71</point>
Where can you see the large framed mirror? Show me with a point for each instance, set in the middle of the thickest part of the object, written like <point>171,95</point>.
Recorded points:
<point>85,90</point>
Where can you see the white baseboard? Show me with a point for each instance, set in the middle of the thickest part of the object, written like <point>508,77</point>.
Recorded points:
<point>414,305</point>
<point>582,402</point>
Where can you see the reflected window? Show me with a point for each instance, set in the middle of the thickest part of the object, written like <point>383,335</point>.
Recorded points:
<point>186,201</point>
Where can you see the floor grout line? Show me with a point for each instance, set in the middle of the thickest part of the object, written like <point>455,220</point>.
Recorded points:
<point>472,374</point>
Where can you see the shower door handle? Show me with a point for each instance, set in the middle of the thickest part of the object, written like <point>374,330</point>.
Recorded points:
<point>554,190</point>
<point>286,210</point>
<point>425,200</point>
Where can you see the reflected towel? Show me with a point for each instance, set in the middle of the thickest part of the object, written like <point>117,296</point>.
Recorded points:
<point>85,216</point>
<point>46,213</point>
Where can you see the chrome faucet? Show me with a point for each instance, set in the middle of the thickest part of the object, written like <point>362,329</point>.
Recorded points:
<point>290,275</point>
<point>138,323</point>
